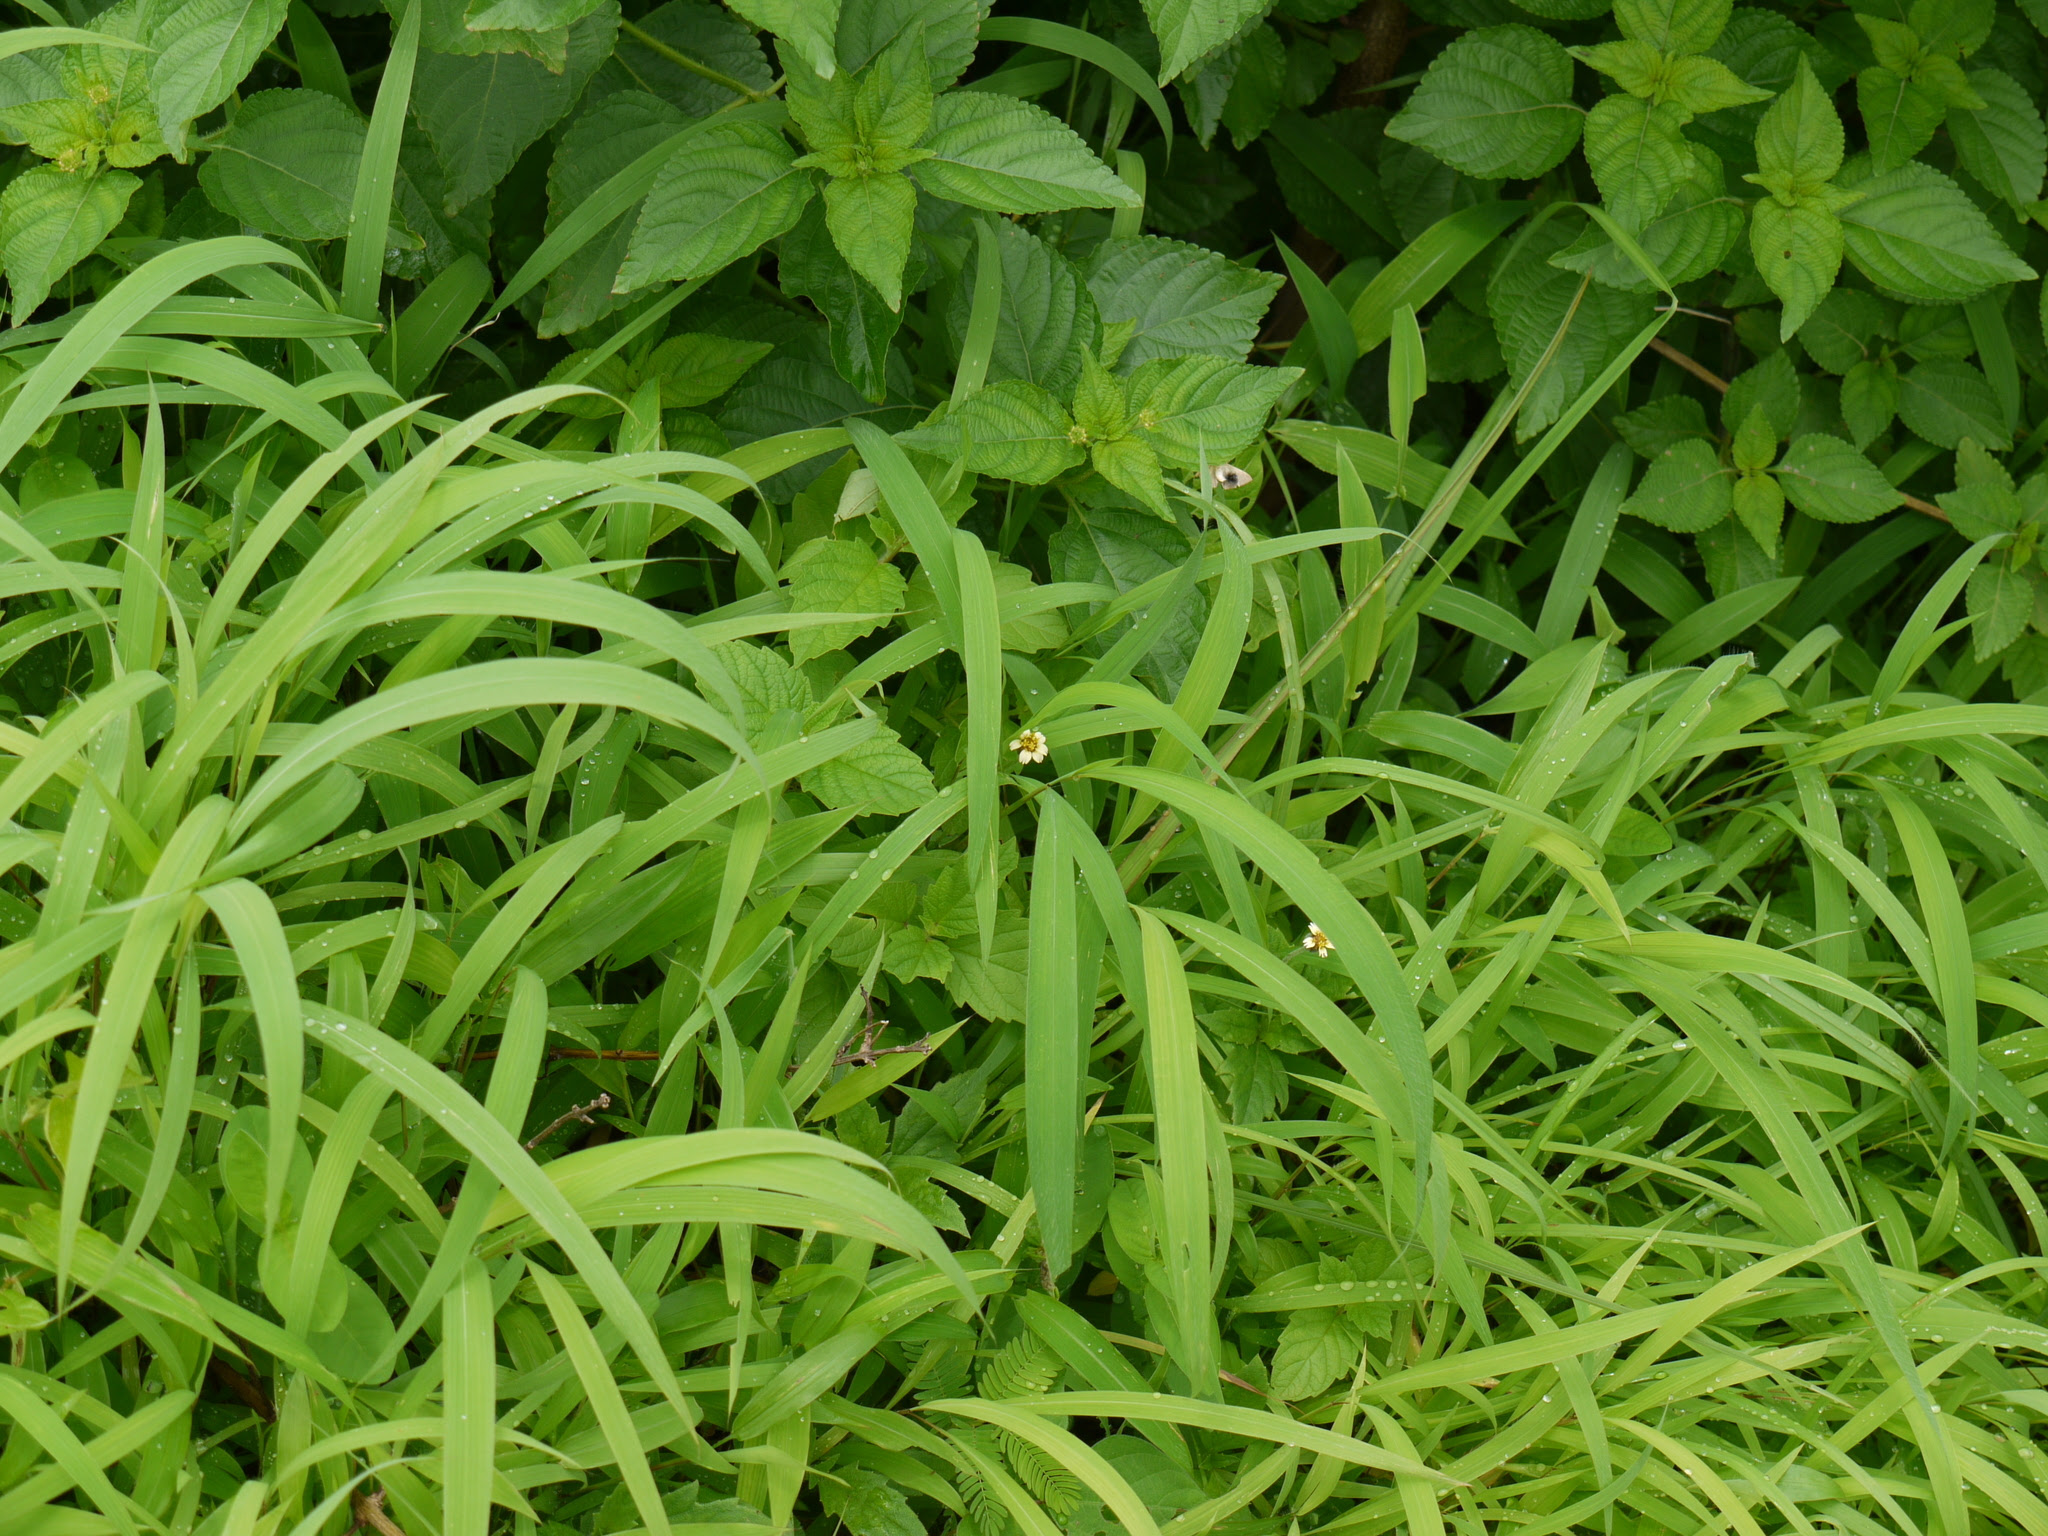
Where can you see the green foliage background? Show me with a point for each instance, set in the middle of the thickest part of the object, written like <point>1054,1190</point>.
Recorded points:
<point>1147,766</point>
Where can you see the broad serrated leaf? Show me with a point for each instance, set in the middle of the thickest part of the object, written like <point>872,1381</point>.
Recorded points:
<point>1798,251</point>
<point>2000,601</point>
<point>950,28</point>
<point>1916,234</point>
<point>1256,87</point>
<point>1496,102</point>
<point>701,32</point>
<point>1952,26</point>
<point>1007,156</point>
<point>1196,410</point>
<point>483,112</point>
<point>1799,141</point>
<point>287,165</point>
<point>1316,1347</point>
<point>1773,386</point>
<point>526,15</point>
<point>1190,29</point>
<point>838,576</point>
<point>2002,144</point>
<point>1129,464</point>
<point>1660,423</point>
<point>1673,26</point>
<point>879,776</point>
<point>1637,155</point>
<point>1845,329</point>
<point>445,29</point>
<point>1826,478</point>
<point>211,46</point>
<point>601,142</point>
<point>50,220</point>
<point>1179,299</point>
<point>767,684</point>
<point>1685,489</point>
<point>1700,84</point>
<point>1945,400</point>
<point>870,218</point>
<point>1760,508</point>
<point>1698,227</point>
<point>993,984</point>
<point>1047,317</point>
<point>806,25</point>
<point>1899,115</point>
<point>864,1502</point>
<point>724,195</point>
<point>1012,430</point>
<point>1870,399</point>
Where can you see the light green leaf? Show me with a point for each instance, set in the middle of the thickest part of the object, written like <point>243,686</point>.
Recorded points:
<point>1799,142</point>
<point>1197,410</point>
<point>1189,30</point>
<point>1673,26</point>
<point>1008,156</point>
<point>807,25</point>
<point>1318,1345</point>
<point>1685,489</point>
<point>1870,399</point>
<point>2003,143</point>
<point>1699,85</point>
<point>1013,430</point>
<point>1046,318</point>
<point>2001,601</point>
<point>951,29</point>
<point>287,165</point>
<point>879,775</point>
<point>50,220</point>
<point>870,218</point>
<point>1637,155</point>
<point>725,194</point>
<point>1798,251</point>
<point>1179,299</point>
<point>211,45</point>
<point>1899,115</point>
<point>1496,102</point>
<point>1946,400</point>
<point>992,985</point>
<point>1825,478</point>
<point>1915,234</point>
<point>838,576</point>
<point>1131,466</point>
<point>1698,227</point>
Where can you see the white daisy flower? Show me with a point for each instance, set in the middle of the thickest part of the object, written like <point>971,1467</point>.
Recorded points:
<point>1318,941</point>
<point>1030,747</point>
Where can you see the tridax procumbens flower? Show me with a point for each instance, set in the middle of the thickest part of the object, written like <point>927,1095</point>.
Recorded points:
<point>1318,941</point>
<point>1030,747</point>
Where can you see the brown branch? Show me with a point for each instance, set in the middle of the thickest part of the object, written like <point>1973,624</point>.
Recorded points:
<point>369,1510</point>
<point>574,1112</point>
<point>1715,382</point>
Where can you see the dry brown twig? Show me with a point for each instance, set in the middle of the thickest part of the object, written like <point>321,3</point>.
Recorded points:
<point>580,1112</point>
<point>868,1053</point>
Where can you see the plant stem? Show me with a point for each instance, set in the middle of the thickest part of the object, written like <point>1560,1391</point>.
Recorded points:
<point>659,49</point>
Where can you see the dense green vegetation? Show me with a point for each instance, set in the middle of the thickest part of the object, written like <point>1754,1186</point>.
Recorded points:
<point>1260,766</point>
